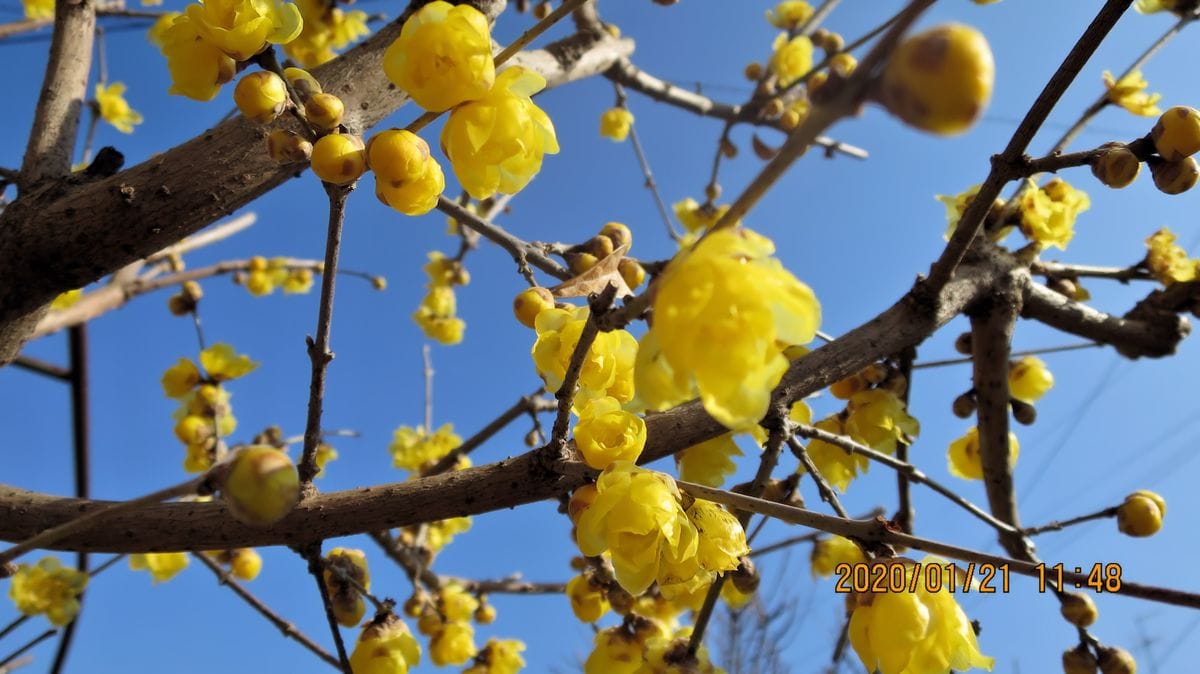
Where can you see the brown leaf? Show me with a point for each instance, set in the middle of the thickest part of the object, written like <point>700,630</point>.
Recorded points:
<point>764,151</point>
<point>597,278</point>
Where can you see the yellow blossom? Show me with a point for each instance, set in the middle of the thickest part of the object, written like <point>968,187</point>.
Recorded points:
<point>793,58</point>
<point>48,587</point>
<point>588,601</point>
<point>326,29</point>
<point>965,460</point>
<point>198,68</point>
<point>39,10</point>
<point>835,464</point>
<point>439,534</point>
<point>608,367</point>
<point>827,553</point>
<point>385,646</point>
<point>341,566</point>
<point>243,28</point>
<point>496,143</point>
<point>657,385</point>
<point>325,454</point>
<point>1141,514</point>
<point>444,271</point>
<point>607,433</point>
<point>163,566</point>
<point>615,651</point>
<point>66,300</point>
<point>879,419</point>
<point>413,448</point>
<point>790,14</point>
<point>1128,93</point>
<point>1029,379</point>
<point>245,563</point>
<point>729,291</point>
<point>222,363</point>
<point>180,378</point>
<point>615,123</point>
<point>443,56</point>
<point>114,109</point>
<point>914,632</point>
<point>722,539</point>
<point>1167,261</point>
<point>407,177</point>
<point>160,26</point>
<point>499,656</point>
<point>298,281</point>
<point>453,644</point>
<point>697,217</point>
<point>1048,213</point>
<point>709,462</point>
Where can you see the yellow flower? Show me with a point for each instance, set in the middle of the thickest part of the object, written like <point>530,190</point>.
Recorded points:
<point>1128,93</point>
<point>245,563</point>
<point>160,26</point>
<point>298,281</point>
<point>455,603</point>
<point>413,448</point>
<point>1029,379</point>
<point>436,317</point>
<point>637,517</point>
<point>729,291</point>
<point>789,15</point>
<point>792,58</point>
<point>443,56</point>
<point>722,539</point>
<point>1048,213</point>
<point>1167,261</point>
<point>385,647</point>
<point>499,657</point>
<point>607,368</point>
<point>407,177</point>
<point>709,462</point>
<point>66,300</point>
<point>835,464</point>
<point>879,420</point>
<point>325,454</point>
<point>496,143</point>
<point>453,644</point>
<point>955,206</point>
<point>615,123</point>
<point>48,587</point>
<point>965,460</point>
<point>326,29</point>
<point>344,597</point>
<point>198,68</point>
<point>222,363</point>
<point>827,553</point>
<point>940,80</point>
<point>588,601</point>
<point>915,632</point>
<point>114,109</point>
<point>163,566</point>
<point>243,28</point>
<point>39,10</point>
<point>441,533</point>
<point>698,217</point>
<point>607,433</point>
<point>657,385</point>
<point>615,651</point>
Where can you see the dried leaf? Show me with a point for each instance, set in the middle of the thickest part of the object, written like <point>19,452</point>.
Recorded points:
<point>597,278</point>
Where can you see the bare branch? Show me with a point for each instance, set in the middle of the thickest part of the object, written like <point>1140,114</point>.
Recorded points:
<point>1132,337</point>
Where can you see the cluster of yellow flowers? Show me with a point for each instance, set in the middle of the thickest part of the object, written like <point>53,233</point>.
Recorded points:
<point>204,413</point>
<point>918,632</point>
<point>709,462</point>
<point>1167,260</point>
<point>499,656</point>
<point>436,313</point>
<point>244,563</point>
<point>385,646</point>
<point>1048,213</point>
<point>326,29</point>
<point>964,456</point>
<point>640,518</point>
<point>162,566</point>
<point>343,568</point>
<point>615,123</point>
<point>416,448</point>
<point>828,552</point>
<point>608,367</point>
<point>407,177</point>
<point>49,588</point>
<point>641,646</point>
<point>446,620</point>
<point>264,276</point>
<point>204,44</point>
<point>726,290</point>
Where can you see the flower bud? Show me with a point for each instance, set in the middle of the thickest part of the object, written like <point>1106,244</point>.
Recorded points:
<point>632,272</point>
<point>302,81</point>
<point>285,147</point>
<point>339,158</point>
<point>964,405</point>
<point>245,563</point>
<point>1023,412</point>
<point>618,232</point>
<point>542,10</point>
<point>324,111</point>
<point>180,305</point>
<point>260,96</point>
<point>1117,166</point>
<point>1078,609</point>
<point>773,108</point>
<point>581,262</point>
<point>745,577</point>
<point>1175,177</point>
<point>261,485</point>
<point>1176,134</point>
<point>1115,660</point>
<point>530,302</point>
<point>753,71</point>
<point>1079,661</point>
<point>940,80</point>
<point>600,246</point>
<point>1141,514</point>
<point>844,389</point>
<point>485,614</point>
<point>963,344</point>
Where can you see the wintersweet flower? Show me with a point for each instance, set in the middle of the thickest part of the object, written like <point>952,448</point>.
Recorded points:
<point>385,646</point>
<point>615,123</point>
<point>499,656</point>
<point>160,26</point>
<point>728,290</point>
<point>792,59</point>
<point>722,539</point>
<point>607,433</point>
<point>1168,261</point>
<point>588,601</point>
<point>964,456</point>
<point>1029,379</point>
<point>162,566</point>
<point>48,587</point>
<point>407,177</point>
<point>198,68</point>
<point>827,553</point>
<point>443,56</point>
<point>914,632</point>
<point>1128,92</point>
<point>608,367</point>
<point>662,656</point>
<point>453,644</point>
<point>709,462</point>
<point>835,464</point>
<point>66,300</point>
<point>496,143</point>
<point>243,28</point>
<point>1048,212</point>
<point>657,385</point>
<point>413,448</point>
<point>1141,514</point>
<point>38,10</point>
<point>180,378</point>
<point>879,419</point>
<point>342,564</point>
<point>789,15</point>
<point>326,30</point>
<point>441,533</point>
<point>222,363</point>
<point>615,651</point>
<point>114,109</point>
<point>696,217</point>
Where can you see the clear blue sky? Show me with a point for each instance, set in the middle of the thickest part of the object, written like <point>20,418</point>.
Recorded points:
<point>856,231</point>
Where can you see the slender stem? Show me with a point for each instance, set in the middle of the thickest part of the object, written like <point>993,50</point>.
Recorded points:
<point>823,488</point>
<point>289,630</point>
<point>42,367</point>
<point>1059,270</point>
<point>20,620</point>
<point>1059,525</point>
<point>1028,352</point>
<point>529,403</point>
<point>32,642</point>
<point>522,252</point>
<point>318,347</point>
<point>427,375</point>
<point>904,507</point>
<point>312,554</point>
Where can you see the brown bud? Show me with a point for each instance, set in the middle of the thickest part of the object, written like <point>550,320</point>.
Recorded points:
<point>180,305</point>
<point>1117,166</point>
<point>874,373</point>
<point>542,10</point>
<point>534,438</point>
<point>964,405</point>
<point>773,107</point>
<point>712,191</point>
<point>620,600</point>
<point>753,71</point>
<point>1023,412</point>
<point>963,344</point>
<point>1115,660</point>
<point>1078,609</point>
<point>1175,177</point>
<point>745,578</point>
<point>728,149</point>
<point>1063,286</point>
<point>1079,660</point>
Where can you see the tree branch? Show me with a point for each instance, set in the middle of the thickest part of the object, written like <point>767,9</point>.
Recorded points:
<point>1133,337</point>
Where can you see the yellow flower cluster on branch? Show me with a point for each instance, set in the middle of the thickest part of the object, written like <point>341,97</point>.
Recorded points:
<point>407,177</point>
<point>606,433</point>
<point>1048,212</point>
<point>615,123</point>
<point>1167,260</point>
<point>48,588</point>
<point>415,448</point>
<point>385,646</point>
<point>436,313</point>
<point>1129,93</point>
<point>204,413</point>
<point>327,29</point>
<point>265,276</point>
<point>608,367</point>
<point>499,656</point>
<point>162,566</point>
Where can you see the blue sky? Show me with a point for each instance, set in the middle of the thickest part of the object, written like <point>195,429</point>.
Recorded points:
<point>856,231</point>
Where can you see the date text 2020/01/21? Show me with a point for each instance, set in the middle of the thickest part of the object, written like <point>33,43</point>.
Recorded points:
<point>905,576</point>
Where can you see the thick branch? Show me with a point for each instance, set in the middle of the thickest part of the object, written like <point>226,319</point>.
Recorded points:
<point>1133,337</point>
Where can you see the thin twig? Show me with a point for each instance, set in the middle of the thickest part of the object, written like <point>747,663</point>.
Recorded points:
<point>32,642</point>
<point>530,403</point>
<point>636,143</point>
<point>312,554</point>
<point>42,367</point>
<point>1073,271</point>
<point>1028,352</point>
<point>522,252</point>
<point>1059,525</point>
<point>427,375</point>
<point>318,347</point>
<point>823,488</point>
